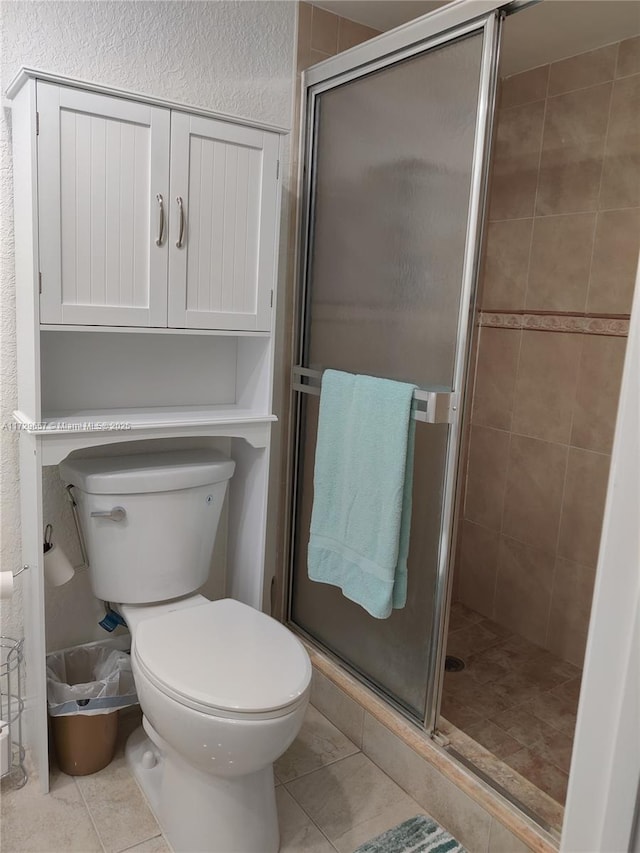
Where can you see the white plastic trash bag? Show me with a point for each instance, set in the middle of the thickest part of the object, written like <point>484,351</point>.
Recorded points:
<point>90,679</point>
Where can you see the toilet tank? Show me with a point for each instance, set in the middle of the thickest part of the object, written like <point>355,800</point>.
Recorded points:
<point>149,520</point>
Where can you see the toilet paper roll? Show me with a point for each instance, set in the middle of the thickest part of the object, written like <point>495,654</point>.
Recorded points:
<point>57,567</point>
<point>6,585</point>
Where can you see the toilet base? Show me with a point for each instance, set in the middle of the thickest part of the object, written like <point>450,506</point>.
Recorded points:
<point>202,813</point>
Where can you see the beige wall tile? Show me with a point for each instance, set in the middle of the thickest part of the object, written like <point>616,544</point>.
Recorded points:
<point>305,11</point>
<point>570,610</point>
<point>572,151</point>
<point>501,840</point>
<point>496,377</point>
<point>560,262</point>
<point>461,617</point>
<point>621,173</point>
<point>114,791</point>
<point>346,714</point>
<point>583,506</point>
<point>586,69</point>
<point>488,453</point>
<point>453,809</point>
<point>534,491</point>
<point>546,384</point>
<point>477,567</point>
<point>523,589</point>
<point>567,385</point>
<point>312,57</point>
<point>525,87</point>
<point>351,33</point>
<point>515,162</point>
<point>596,403</point>
<point>324,31</point>
<point>506,264</point>
<point>628,57</point>
<point>615,261</point>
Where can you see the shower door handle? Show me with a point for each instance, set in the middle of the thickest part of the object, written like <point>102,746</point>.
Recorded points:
<point>118,513</point>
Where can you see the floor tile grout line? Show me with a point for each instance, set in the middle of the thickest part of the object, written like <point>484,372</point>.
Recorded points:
<point>140,843</point>
<point>605,144</point>
<point>89,812</point>
<point>304,811</point>
<point>322,766</point>
<point>95,826</point>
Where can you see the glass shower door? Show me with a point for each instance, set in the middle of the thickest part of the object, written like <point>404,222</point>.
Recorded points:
<point>396,169</point>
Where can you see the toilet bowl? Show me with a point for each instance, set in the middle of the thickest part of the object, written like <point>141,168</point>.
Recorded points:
<point>223,688</point>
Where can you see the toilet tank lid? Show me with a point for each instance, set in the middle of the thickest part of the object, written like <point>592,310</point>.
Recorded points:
<point>147,472</point>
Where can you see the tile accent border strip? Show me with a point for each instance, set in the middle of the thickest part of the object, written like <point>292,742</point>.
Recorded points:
<point>495,805</point>
<point>614,325</point>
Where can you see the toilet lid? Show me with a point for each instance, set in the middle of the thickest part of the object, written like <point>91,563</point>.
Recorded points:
<point>224,655</point>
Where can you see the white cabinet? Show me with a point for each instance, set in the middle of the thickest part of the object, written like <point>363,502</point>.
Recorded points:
<point>101,163</point>
<point>223,232</point>
<point>124,336</point>
<point>150,216</point>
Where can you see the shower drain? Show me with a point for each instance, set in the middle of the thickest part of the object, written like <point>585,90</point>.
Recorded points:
<point>452,664</point>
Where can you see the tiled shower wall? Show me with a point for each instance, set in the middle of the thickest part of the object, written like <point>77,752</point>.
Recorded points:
<point>322,34</point>
<point>559,271</point>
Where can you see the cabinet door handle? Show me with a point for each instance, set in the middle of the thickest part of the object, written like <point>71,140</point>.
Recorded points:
<point>160,238</point>
<point>181,213</point>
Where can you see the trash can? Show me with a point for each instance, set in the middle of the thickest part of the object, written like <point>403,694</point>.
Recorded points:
<point>86,687</point>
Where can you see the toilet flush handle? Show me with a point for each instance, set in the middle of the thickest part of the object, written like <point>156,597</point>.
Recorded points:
<point>118,513</point>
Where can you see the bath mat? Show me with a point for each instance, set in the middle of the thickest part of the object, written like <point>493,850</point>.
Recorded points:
<point>416,835</point>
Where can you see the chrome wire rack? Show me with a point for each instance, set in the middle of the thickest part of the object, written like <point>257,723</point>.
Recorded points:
<point>11,708</point>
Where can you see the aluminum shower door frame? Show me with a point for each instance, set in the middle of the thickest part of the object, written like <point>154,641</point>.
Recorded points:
<point>457,20</point>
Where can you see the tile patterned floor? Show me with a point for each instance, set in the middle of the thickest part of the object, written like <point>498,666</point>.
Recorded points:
<point>330,798</point>
<point>516,700</point>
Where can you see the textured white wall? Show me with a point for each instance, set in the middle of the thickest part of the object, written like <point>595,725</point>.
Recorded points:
<point>233,57</point>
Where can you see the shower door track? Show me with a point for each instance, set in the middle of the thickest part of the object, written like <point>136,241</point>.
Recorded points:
<point>454,21</point>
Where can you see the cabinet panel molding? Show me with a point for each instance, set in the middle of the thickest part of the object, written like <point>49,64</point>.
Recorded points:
<point>222,274</point>
<point>102,162</point>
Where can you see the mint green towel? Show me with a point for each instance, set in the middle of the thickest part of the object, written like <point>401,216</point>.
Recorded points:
<point>362,490</point>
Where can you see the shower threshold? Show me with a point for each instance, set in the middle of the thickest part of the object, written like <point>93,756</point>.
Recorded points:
<point>532,802</point>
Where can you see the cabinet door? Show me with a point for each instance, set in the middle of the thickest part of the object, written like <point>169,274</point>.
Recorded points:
<point>224,196</point>
<point>103,166</point>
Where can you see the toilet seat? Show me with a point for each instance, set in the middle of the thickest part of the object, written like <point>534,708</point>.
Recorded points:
<point>225,659</point>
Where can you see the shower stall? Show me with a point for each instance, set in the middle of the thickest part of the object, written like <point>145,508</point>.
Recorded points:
<point>424,201</point>
<point>388,131</point>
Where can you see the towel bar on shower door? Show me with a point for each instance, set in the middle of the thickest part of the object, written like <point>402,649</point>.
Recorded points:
<point>430,407</point>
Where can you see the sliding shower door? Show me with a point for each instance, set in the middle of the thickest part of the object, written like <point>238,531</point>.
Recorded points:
<point>396,160</point>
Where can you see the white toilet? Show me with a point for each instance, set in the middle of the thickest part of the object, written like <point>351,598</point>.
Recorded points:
<point>223,688</point>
